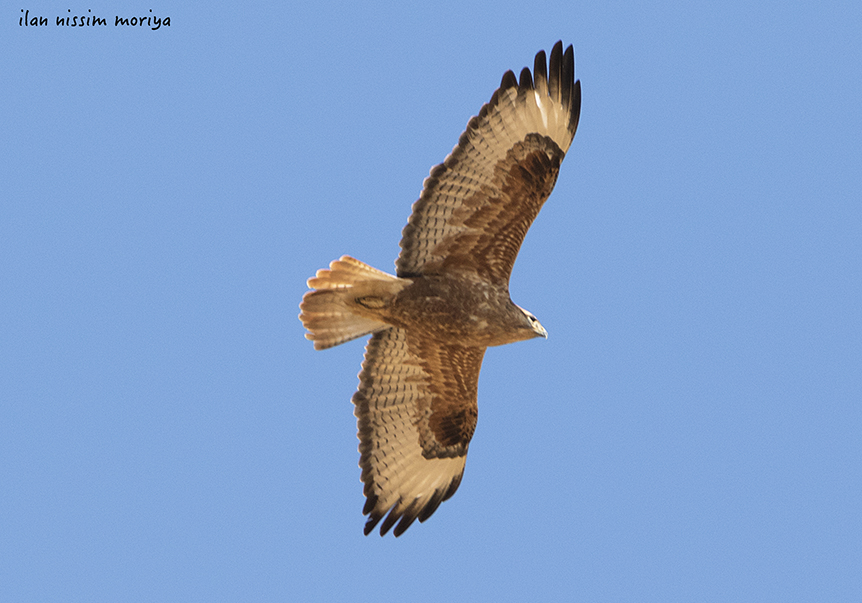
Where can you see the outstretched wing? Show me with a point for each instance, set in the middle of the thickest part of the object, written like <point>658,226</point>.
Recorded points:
<point>476,207</point>
<point>416,411</point>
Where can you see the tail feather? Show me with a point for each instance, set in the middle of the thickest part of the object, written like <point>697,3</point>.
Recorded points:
<point>347,272</point>
<point>330,312</point>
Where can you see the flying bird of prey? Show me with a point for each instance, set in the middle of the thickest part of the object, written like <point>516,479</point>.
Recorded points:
<point>416,405</point>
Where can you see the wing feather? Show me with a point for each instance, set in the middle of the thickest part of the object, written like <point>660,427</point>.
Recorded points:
<point>493,184</point>
<point>416,413</point>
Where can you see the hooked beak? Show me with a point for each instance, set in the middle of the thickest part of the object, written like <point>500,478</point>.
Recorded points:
<point>539,329</point>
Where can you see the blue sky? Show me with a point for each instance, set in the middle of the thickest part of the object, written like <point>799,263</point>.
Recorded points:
<point>690,431</point>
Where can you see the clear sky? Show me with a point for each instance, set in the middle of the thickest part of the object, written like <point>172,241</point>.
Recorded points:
<point>690,431</point>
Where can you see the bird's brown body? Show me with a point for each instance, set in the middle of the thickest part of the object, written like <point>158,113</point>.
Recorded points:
<point>439,303</point>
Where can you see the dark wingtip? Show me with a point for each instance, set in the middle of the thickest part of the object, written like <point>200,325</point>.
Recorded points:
<point>407,519</point>
<point>560,78</point>
<point>555,71</point>
<point>526,79</point>
<point>373,520</point>
<point>568,75</point>
<point>407,516</point>
<point>508,81</point>
<point>540,67</point>
<point>558,48</point>
<point>368,509</point>
<point>388,523</point>
<point>576,108</point>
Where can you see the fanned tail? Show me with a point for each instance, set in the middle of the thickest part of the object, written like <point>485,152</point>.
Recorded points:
<point>331,312</point>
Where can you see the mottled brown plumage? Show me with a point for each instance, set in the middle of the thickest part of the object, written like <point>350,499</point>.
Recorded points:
<point>416,404</point>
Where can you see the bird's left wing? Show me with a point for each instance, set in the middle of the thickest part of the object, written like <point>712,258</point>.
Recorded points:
<point>416,412</point>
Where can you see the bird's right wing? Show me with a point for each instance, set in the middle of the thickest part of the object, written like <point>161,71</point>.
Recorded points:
<point>476,206</point>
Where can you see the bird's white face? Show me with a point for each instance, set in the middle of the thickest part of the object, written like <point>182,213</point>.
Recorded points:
<point>538,329</point>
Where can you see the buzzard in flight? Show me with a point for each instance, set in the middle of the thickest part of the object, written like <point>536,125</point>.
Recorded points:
<point>416,404</point>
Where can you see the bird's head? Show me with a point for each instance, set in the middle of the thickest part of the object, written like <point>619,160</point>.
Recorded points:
<point>534,324</point>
